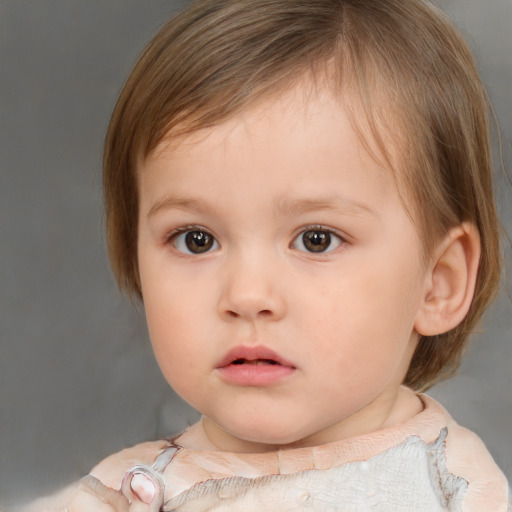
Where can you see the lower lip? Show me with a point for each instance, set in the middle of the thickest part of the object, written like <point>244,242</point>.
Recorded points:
<point>255,374</point>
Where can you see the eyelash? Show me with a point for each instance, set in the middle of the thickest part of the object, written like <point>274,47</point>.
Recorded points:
<point>318,228</point>
<point>174,235</point>
<point>211,242</point>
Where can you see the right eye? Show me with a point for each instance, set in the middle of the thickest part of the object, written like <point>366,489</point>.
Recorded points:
<point>194,241</point>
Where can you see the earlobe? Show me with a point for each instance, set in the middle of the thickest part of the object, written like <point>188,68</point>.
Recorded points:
<point>451,281</point>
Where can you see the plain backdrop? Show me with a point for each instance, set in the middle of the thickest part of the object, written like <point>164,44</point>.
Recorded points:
<point>77,376</point>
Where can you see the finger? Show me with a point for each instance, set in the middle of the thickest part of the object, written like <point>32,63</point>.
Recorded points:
<point>144,490</point>
<point>93,495</point>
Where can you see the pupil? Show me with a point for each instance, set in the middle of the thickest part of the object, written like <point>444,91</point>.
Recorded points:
<point>198,241</point>
<point>316,241</point>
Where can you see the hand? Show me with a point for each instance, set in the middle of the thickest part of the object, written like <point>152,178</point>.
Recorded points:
<point>92,496</point>
<point>142,492</point>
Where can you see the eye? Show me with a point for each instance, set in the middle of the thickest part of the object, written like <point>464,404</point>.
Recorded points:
<point>317,240</point>
<point>194,241</point>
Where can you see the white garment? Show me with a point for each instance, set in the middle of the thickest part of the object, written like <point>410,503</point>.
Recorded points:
<point>426,464</point>
<point>409,477</point>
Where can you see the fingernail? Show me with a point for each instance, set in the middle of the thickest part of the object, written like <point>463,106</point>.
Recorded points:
<point>143,487</point>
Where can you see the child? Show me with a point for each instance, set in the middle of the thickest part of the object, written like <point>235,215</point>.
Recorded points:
<point>300,194</point>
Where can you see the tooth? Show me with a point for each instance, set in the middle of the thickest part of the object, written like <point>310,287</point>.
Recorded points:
<point>254,361</point>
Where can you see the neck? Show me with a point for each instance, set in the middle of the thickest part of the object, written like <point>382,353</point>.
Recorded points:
<point>386,411</point>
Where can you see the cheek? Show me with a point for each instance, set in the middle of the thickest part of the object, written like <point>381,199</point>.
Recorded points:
<point>169,297</point>
<point>362,325</point>
<point>176,350</point>
<point>172,326</point>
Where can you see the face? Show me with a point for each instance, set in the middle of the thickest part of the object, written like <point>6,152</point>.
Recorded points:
<point>281,275</point>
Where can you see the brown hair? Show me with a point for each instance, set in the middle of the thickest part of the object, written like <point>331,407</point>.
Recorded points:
<point>407,77</point>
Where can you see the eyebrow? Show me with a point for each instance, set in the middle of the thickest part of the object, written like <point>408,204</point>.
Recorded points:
<point>284,207</point>
<point>335,203</point>
<point>179,203</point>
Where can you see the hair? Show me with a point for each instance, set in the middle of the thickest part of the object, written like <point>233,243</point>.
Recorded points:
<point>401,68</point>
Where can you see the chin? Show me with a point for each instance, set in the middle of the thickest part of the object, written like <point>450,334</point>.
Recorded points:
<point>272,434</point>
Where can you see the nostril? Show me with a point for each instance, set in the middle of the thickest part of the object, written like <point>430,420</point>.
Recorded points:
<point>265,313</point>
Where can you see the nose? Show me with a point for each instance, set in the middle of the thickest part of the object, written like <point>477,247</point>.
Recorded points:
<point>252,291</point>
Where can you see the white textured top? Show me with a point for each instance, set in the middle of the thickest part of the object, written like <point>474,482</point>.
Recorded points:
<point>409,477</point>
<point>426,464</point>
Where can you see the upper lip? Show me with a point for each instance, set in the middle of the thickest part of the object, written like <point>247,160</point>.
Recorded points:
<point>253,353</point>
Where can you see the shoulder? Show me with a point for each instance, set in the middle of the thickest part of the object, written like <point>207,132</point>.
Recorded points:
<point>112,469</point>
<point>109,471</point>
<point>465,457</point>
<point>468,458</point>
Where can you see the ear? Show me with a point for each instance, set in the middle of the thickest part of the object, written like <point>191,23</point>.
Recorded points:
<point>451,281</point>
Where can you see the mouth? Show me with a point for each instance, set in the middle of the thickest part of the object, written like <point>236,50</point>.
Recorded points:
<point>255,361</point>
<point>256,355</point>
<point>254,367</point>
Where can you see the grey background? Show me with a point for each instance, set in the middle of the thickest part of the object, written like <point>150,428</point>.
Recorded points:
<point>77,376</point>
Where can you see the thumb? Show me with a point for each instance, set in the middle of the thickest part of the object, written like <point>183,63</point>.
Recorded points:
<point>144,489</point>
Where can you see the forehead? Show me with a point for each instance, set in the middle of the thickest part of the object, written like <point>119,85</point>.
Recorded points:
<point>300,106</point>
<point>301,137</point>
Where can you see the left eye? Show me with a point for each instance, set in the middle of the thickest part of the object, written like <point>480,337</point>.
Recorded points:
<point>317,241</point>
<point>195,242</point>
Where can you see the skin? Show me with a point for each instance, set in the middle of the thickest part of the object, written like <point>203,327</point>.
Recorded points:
<point>90,494</point>
<point>343,318</point>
